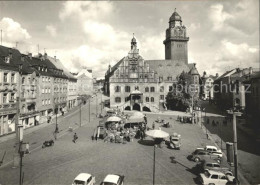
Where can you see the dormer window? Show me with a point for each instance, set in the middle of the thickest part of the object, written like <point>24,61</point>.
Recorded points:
<point>7,60</point>
<point>39,68</point>
<point>46,69</point>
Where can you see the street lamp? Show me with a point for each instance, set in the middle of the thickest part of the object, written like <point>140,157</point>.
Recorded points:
<point>192,96</point>
<point>235,113</point>
<point>17,117</point>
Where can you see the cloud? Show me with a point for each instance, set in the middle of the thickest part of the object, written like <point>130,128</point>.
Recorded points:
<point>218,17</point>
<point>51,30</point>
<point>13,32</point>
<point>85,9</point>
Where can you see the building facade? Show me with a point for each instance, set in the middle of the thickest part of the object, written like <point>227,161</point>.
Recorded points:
<point>138,84</point>
<point>85,82</point>
<point>8,92</point>
<point>252,99</point>
<point>207,90</point>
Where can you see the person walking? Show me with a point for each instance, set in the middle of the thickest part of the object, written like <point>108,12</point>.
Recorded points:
<point>75,137</point>
<point>145,119</point>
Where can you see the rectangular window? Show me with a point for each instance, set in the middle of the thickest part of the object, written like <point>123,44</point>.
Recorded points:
<point>42,102</point>
<point>161,97</point>
<point>118,100</point>
<point>5,98</point>
<point>5,77</point>
<point>170,88</point>
<point>162,89</point>
<point>12,97</point>
<point>12,78</point>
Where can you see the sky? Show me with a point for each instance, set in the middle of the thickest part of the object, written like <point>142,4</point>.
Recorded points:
<point>223,34</point>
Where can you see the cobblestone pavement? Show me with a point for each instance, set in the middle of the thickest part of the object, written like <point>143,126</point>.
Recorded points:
<point>62,162</point>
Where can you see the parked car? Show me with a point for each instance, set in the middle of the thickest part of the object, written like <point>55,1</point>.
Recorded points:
<point>215,166</point>
<point>113,180</point>
<point>212,150</point>
<point>175,141</point>
<point>199,155</point>
<point>84,179</point>
<point>211,177</point>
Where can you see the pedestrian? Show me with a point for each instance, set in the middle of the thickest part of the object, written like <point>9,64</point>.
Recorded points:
<point>75,137</point>
<point>207,136</point>
<point>96,137</point>
<point>153,126</point>
<point>145,119</point>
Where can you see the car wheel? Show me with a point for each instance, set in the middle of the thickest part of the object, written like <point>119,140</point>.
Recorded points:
<point>211,184</point>
<point>196,159</point>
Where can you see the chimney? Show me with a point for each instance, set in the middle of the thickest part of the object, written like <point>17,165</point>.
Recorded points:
<point>55,58</point>
<point>45,56</point>
<point>216,74</point>
<point>30,55</point>
<point>250,70</point>
<point>204,74</point>
<point>22,58</point>
<point>10,53</point>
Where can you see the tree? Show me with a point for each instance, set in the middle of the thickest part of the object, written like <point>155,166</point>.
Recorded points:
<point>180,98</point>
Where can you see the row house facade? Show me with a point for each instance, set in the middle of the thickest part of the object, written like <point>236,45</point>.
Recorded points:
<point>8,92</point>
<point>229,89</point>
<point>40,86</point>
<point>252,99</point>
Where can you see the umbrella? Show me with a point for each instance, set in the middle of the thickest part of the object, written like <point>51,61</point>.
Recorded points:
<point>138,114</point>
<point>114,118</point>
<point>157,134</point>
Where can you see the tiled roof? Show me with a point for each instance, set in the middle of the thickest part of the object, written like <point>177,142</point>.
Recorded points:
<point>168,68</point>
<point>15,61</point>
<point>59,65</point>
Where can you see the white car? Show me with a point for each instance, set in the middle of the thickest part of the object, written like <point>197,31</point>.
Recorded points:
<point>213,177</point>
<point>84,179</point>
<point>113,180</point>
<point>212,150</point>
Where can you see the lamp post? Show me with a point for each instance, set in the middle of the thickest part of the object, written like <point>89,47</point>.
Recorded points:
<point>17,140</point>
<point>89,110</point>
<point>21,152</point>
<point>96,105</point>
<point>235,113</point>
<point>80,112</point>
<point>154,164</point>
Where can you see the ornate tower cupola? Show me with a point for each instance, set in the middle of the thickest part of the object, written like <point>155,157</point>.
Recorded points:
<point>133,43</point>
<point>176,41</point>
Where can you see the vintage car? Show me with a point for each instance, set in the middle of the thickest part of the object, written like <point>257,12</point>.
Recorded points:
<point>211,177</point>
<point>113,180</point>
<point>175,141</point>
<point>199,155</point>
<point>212,150</point>
<point>215,166</point>
<point>84,179</point>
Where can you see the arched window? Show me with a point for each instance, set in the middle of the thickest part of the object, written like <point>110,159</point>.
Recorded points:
<point>127,89</point>
<point>117,89</point>
<point>152,99</point>
<point>162,89</point>
<point>147,89</point>
<point>118,100</point>
<point>136,88</point>
<point>152,89</point>
<point>147,99</point>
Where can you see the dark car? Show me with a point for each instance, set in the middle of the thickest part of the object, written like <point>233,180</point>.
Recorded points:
<point>102,132</point>
<point>199,155</point>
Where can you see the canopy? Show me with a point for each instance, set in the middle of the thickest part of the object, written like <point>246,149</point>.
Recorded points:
<point>157,134</point>
<point>138,114</point>
<point>113,118</point>
<point>135,120</point>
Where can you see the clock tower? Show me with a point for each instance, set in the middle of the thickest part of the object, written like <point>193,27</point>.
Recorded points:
<point>176,42</point>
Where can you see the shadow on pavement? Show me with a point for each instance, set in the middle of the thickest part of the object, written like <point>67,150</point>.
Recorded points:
<point>146,142</point>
